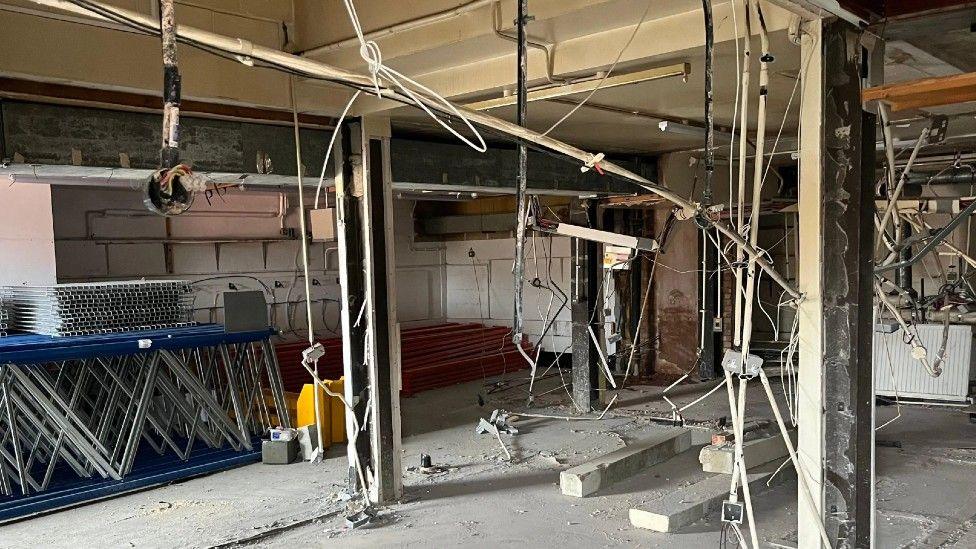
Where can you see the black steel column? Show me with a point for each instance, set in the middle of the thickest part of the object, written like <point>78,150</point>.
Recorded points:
<point>385,386</point>
<point>847,211</point>
<point>522,179</point>
<point>585,279</point>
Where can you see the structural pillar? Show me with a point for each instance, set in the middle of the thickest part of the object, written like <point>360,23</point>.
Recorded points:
<point>584,281</point>
<point>371,341</point>
<point>836,231</point>
<point>380,314</point>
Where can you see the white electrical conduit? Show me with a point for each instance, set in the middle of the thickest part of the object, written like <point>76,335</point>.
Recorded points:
<point>919,352</point>
<point>890,211</point>
<point>740,213</point>
<point>248,50</point>
<point>603,358</point>
<point>738,462</point>
<point>747,306</point>
<point>328,150</point>
<point>800,475</point>
<point>417,23</point>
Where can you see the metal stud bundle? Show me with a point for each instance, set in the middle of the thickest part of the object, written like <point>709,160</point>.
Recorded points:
<point>4,315</point>
<point>100,308</point>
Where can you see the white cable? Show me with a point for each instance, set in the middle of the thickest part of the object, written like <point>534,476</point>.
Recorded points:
<point>328,150</point>
<point>605,75</point>
<point>800,473</point>
<point>369,50</point>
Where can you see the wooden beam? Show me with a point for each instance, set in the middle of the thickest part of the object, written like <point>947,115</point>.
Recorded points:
<point>635,201</point>
<point>925,92</point>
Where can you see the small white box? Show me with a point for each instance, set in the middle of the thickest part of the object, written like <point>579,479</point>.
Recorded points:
<point>323,222</point>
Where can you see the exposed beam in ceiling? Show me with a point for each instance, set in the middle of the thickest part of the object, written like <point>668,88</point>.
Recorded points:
<point>925,92</point>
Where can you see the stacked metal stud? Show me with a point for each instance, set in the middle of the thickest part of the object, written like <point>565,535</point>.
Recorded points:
<point>100,308</point>
<point>4,315</point>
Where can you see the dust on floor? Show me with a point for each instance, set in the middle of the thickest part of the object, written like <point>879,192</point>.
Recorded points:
<point>925,495</point>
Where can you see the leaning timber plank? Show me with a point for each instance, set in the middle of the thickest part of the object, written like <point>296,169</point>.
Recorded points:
<point>719,459</point>
<point>683,507</point>
<point>587,478</point>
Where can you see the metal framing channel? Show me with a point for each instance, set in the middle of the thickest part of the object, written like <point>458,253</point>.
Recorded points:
<point>383,350</point>
<point>349,192</point>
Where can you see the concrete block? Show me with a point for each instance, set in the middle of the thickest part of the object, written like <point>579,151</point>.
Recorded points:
<point>136,260</point>
<point>413,295</point>
<point>79,260</point>
<point>688,505</point>
<point>719,459</point>
<point>194,259</point>
<point>241,258</point>
<point>587,478</point>
<point>284,256</point>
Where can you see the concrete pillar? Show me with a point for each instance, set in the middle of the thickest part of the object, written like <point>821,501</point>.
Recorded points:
<point>584,280</point>
<point>836,260</point>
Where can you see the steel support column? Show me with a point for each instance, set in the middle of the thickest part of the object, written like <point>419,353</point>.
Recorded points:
<point>380,316</point>
<point>584,278</point>
<point>836,271</point>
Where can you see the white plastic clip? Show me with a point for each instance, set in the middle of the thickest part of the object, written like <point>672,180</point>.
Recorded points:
<point>593,163</point>
<point>247,49</point>
<point>313,353</point>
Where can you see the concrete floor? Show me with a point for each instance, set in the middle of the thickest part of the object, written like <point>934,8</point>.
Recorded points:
<point>925,488</point>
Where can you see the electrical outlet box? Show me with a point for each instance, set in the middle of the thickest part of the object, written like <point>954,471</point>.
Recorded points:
<point>732,512</point>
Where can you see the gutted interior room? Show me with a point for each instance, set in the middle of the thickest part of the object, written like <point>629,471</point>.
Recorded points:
<point>489,273</point>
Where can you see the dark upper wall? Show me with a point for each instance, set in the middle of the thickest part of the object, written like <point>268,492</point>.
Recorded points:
<point>49,133</point>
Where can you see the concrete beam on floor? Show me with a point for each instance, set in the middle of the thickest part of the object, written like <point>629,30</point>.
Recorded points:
<point>688,505</point>
<point>719,459</point>
<point>589,477</point>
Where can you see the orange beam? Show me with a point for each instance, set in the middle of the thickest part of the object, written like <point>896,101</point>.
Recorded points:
<point>926,92</point>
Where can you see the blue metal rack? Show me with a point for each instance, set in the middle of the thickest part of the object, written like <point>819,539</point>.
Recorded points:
<point>86,417</point>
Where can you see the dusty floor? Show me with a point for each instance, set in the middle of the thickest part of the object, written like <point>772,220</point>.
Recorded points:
<point>925,488</point>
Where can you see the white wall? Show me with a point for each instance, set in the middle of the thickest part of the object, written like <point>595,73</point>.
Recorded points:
<point>107,247</point>
<point>481,289</point>
<point>26,235</point>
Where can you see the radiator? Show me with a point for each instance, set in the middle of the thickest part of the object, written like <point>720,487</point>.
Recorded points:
<point>895,371</point>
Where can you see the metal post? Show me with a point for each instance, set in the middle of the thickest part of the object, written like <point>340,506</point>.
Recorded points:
<point>170,151</point>
<point>522,181</point>
<point>584,279</point>
<point>383,350</point>
<point>349,192</point>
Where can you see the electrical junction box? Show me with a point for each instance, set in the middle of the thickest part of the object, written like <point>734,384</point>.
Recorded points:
<point>732,361</point>
<point>323,222</point>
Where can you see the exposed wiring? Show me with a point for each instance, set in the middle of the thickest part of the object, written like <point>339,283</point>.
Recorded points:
<point>606,74</point>
<point>369,50</point>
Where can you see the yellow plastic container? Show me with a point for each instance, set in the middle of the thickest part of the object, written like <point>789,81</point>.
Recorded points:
<point>332,415</point>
